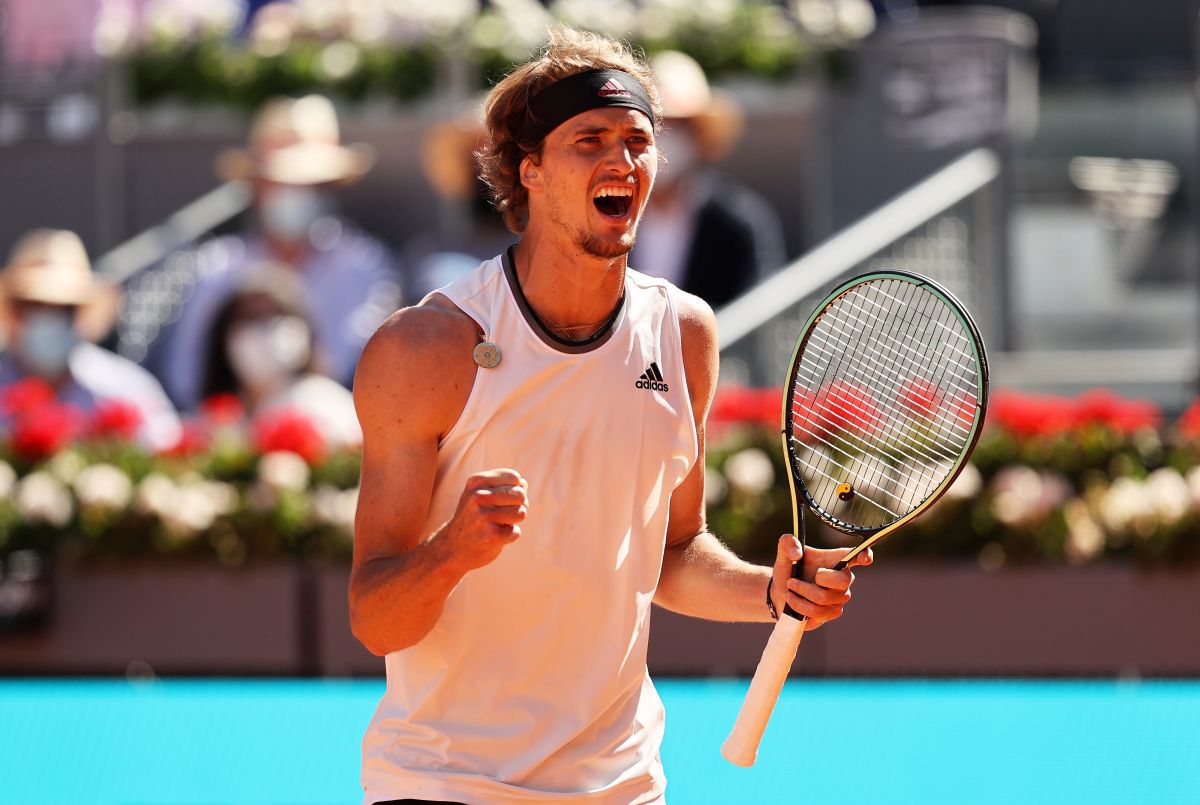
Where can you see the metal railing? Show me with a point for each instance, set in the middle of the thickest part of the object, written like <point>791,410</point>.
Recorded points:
<point>944,227</point>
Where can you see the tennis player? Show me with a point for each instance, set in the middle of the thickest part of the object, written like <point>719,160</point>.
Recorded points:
<point>533,473</point>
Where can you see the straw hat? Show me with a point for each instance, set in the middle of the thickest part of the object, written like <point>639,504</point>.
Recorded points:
<point>297,141</point>
<point>448,153</point>
<point>51,266</point>
<point>713,114</point>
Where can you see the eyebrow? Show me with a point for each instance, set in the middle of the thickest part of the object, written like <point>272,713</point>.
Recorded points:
<point>635,128</point>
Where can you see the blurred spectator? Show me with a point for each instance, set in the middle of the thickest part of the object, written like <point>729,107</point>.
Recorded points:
<point>472,230</point>
<point>51,307</point>
<point>706,234</point>
<point>261,348</point>
<point>294,161</point>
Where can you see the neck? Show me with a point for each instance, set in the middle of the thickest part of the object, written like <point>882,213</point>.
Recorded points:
<point>565,287</point>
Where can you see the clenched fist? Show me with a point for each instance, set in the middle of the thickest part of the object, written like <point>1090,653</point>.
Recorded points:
<point>488,517</point>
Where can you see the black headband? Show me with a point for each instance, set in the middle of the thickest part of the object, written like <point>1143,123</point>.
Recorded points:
<point>575,94</point>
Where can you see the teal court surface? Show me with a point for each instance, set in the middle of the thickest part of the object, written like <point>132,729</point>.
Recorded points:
<point>831,742</point>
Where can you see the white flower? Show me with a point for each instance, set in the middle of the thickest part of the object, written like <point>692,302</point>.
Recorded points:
<point>816,16</point>
<point>338,60</point>
<point>1168,495</point>
<point>615,17</point>
<point>103,486</point>
<point>155,494</point>
<point>335,507</point>
<point>1123,505</point>
<point>1085,538</point>
<point>8,480</point>
<point>223,498</point>
<point>1193,481</point>
<point>115,32</point>
<point>750,470</point>
<point>66,465</point>
<point>218,17</point>
<point>42,498</point>
<point>715,487</point>
<point>967,485</point>
<point>855,19</point>
<point>1018,490</point>
<point>168,20</point>
<point>283,471</point>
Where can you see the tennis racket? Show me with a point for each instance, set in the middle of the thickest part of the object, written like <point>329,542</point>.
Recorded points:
<point>884,400</point>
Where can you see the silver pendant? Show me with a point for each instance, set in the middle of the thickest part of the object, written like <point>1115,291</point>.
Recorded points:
<point>487,355</point>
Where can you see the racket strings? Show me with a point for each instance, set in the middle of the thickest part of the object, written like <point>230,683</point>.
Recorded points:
<point>883,399</point>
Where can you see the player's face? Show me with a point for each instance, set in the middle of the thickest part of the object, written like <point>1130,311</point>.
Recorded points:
<point>594,177</point>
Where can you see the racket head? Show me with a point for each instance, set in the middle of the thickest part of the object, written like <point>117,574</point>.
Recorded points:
<point>885,398</point>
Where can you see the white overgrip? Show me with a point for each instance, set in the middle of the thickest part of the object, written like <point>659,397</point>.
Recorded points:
<point>741,747</point>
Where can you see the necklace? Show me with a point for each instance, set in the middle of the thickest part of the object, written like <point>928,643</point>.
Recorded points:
<point>559,332</point>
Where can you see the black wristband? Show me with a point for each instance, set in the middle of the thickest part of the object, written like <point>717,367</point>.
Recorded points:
<point>771,604</point>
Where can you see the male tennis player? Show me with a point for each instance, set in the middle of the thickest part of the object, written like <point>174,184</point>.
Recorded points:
<point>533,474</point>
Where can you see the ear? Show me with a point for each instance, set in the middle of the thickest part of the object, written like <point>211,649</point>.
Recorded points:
<point>530,172</point>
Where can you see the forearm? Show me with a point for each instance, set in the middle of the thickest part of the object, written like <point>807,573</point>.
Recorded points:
<point>396,600</point>
<point>704,579</point>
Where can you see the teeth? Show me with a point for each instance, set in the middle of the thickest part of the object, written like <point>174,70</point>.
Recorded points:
<point>614,191</point>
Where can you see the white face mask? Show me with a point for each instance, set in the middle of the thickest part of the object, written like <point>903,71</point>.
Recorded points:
<point>45,342</point>
<point>265,354</point>
<point>678,144</point>
<point>288,212</point>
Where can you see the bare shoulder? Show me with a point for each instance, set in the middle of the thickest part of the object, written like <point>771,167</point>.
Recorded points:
<point>698,337</point>
<point>420,362</point>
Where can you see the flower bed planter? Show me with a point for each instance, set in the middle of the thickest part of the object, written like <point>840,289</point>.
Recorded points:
<point>907,619</point>
<point>156,617</point>
<point>924,620</point>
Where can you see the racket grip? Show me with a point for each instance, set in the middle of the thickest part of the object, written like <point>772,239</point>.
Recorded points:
<point>741,747</point>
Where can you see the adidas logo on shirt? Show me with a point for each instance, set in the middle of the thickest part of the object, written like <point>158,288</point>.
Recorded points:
<point>612,89</point>
<point>652,380</point>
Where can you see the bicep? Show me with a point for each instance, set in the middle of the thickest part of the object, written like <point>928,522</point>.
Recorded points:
<point>402,413</point>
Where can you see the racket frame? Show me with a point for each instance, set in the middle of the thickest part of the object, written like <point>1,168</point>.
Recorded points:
<point>799,491</point>
<point>741,747</point>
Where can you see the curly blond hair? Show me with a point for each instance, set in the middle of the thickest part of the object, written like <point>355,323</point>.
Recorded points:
<point>567,52</point>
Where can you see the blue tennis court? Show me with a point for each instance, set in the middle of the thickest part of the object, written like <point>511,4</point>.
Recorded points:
<point>297,741</point>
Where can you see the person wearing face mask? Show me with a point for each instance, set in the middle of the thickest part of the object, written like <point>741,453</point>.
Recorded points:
<point>261,348</point>
<point>52,308</point>
<point>350,283</point>
<point>707,234</point>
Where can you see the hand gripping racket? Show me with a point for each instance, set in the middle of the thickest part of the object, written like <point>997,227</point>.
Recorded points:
<point>884,400</point>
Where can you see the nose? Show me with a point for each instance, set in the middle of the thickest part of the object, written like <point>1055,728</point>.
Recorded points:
<point>619,157</point>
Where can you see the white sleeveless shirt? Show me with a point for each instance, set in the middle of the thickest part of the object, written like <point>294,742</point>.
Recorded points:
<point>532,686</point>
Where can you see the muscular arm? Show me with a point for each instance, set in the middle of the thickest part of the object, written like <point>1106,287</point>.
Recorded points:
<point>700,576</point>
<point>411,386</point>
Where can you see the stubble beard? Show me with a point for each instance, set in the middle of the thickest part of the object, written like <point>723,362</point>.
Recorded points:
<point>593,245</point>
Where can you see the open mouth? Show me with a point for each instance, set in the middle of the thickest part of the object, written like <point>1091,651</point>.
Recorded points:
<point>613,201</point>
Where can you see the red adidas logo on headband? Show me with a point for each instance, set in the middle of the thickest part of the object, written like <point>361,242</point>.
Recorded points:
<point>612,89</point>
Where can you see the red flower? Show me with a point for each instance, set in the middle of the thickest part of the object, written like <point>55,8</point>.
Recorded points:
<point>921,398</point>
<point>740,404</point>
<point>962,409</point>
<point>845,407</point>
<point>291,431</point>
<point>193,439</point>
<point>1102,407</point>
<point>1189,421</point>
<point>115,419</point>
<point>24,396</point>
<point>1031,415</point>
<point>41,433</point>
<point>223,409</point>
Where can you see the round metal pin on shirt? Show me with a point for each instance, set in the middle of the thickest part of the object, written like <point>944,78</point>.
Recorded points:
<point>487,355</point>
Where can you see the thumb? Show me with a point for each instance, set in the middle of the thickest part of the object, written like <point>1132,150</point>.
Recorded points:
<point>789,550</point>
